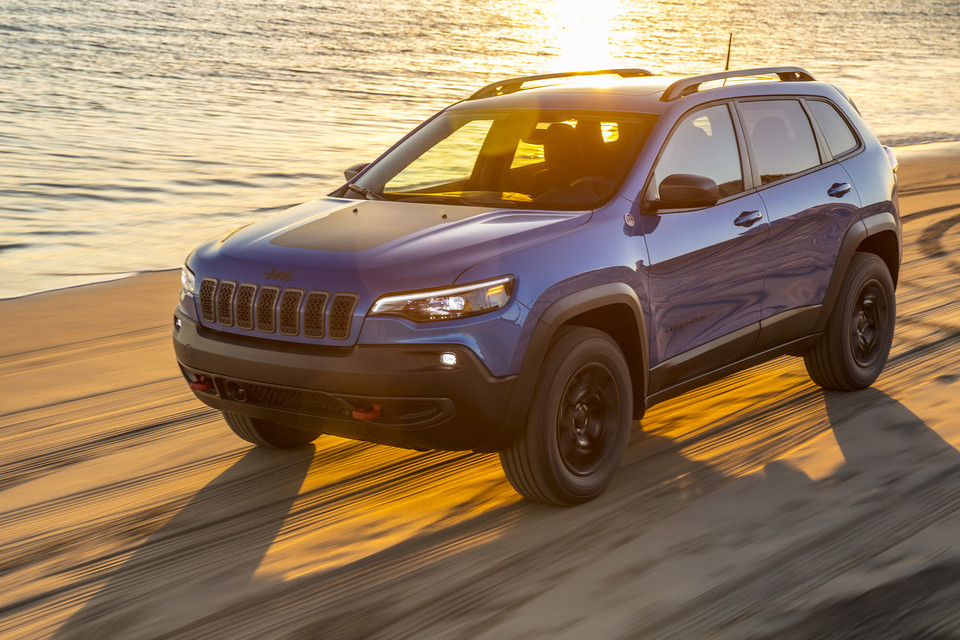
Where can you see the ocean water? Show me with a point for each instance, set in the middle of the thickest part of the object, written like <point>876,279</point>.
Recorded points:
<point>132,130</point>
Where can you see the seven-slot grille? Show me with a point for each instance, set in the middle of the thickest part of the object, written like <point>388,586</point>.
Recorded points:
<point>270,309</point>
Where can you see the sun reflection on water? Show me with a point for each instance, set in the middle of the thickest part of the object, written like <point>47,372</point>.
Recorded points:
<point>582,33</point>
<point>125,125</point>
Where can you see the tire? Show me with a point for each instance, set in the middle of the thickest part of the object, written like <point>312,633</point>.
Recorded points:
<point>264,433</point>
<point>853,348</point>
<point>578,424</point>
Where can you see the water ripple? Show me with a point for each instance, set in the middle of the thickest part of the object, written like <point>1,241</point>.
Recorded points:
<point>162,124</point>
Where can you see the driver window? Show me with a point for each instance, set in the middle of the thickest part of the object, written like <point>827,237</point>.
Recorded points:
<point>703,144</point>
<point>451,161</point>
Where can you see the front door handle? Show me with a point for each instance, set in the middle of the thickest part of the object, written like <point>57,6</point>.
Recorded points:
<point>747,218</point>
<point>838,189</point>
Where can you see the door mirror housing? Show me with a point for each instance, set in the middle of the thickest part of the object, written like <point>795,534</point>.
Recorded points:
<point>351,172</point>
<point>686,191</point>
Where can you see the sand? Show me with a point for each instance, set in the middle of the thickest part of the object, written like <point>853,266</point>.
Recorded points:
<point>757,507</point>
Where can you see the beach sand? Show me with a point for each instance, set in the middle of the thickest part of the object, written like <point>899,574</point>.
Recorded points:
<point>759,506</point>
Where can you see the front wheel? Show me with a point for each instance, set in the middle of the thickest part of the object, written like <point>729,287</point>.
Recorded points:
<point>264,433</point>
<point>854,346</point>
<point>578,425</point>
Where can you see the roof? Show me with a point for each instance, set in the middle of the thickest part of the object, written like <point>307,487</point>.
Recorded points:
<point>624,89</point>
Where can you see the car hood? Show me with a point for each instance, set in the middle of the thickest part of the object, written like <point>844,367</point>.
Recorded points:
<point>377,246</point>
<point>371,247</point>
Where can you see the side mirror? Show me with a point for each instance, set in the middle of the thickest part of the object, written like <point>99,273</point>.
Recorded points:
<point>685,190</point>
<point>351,172</point>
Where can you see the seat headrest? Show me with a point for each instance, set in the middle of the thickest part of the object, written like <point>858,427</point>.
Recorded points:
<point>561,149</point>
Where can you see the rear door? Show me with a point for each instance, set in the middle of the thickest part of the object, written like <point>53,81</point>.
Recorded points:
<point>706,265</point>
<point>810,201</point>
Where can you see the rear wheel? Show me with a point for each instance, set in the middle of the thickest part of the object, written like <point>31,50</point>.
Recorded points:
<point>854,346</point>
<point>264,433</point>
<point>578,425</point>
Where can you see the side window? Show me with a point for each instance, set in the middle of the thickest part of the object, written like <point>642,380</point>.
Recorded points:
<point>451,160</point>
<point>703,144</point>
<point>782,138</point>
<point>835,129</point>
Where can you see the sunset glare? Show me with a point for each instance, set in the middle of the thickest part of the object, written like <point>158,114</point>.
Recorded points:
<point>582,34</point>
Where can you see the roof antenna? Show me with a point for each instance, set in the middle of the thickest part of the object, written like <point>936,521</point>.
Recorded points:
<point>729,47</point>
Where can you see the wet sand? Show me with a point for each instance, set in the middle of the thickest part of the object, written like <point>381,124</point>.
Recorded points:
<point>757,507</point>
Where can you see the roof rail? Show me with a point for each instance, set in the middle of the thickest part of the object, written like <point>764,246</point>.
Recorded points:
<point>513,85</point>
<point>686,86</point>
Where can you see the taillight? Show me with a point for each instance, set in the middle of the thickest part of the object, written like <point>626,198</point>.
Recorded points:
<point>892,159</point>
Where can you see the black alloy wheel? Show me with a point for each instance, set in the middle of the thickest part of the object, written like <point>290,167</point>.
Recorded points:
<point>578,424</point>
<point>587,418</point>
<point>853,348</point>
<point>868,323</point>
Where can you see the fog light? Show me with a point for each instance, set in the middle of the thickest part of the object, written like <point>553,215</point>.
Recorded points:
<point>448,359</point>
<point>177,324</point>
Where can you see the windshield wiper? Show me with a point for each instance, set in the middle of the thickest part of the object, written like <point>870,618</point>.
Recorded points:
<point>428,198</point>
<point>366,193</point>
<point>486,202</point>
<point>492,202</point>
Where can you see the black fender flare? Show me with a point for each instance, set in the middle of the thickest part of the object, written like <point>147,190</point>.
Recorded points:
<point>552,319</point>
<point>856,234</point>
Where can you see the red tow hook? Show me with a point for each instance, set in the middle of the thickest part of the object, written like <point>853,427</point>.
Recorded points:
<point>372,414</point>
<point>200,384</point>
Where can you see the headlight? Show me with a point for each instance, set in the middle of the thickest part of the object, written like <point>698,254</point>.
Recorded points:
<point>448,303</point>
<point>188,281</point>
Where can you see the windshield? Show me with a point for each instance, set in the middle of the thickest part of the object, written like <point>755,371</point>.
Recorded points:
<point>521,158</point>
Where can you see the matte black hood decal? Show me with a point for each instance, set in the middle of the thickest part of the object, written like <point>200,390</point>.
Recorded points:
<point>369,224</point>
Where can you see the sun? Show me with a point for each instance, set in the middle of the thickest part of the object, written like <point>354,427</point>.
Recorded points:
<point>582,33</point>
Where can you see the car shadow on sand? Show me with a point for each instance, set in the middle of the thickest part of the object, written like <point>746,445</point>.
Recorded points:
<point>916,474</point>
<point>213,545</point>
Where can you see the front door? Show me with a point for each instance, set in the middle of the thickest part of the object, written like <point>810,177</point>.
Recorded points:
<point>706,265</point>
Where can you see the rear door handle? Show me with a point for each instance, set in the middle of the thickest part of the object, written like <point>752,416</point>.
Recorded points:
<point>838,189</point>
<point>747,218</point>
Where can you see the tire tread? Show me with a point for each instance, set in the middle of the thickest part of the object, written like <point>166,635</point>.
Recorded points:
<point>825,360</point>
<point>522,461</point>
<point>267,434</point>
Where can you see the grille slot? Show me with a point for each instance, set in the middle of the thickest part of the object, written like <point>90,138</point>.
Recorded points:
<point>225,302</point>
<point>208,288</point>
<point>246,294</point>
<point>270,309</point>
<point>267,309</point>
<point>341,312</point>
<point>313,312</point>
<point>290,311</point>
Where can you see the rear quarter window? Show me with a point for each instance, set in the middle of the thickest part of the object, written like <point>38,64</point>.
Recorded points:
<point>835,129</point>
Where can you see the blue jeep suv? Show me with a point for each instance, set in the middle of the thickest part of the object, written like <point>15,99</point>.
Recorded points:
<point>531,268</point>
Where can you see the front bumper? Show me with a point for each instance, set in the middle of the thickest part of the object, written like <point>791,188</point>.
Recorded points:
<point>399,395</point>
